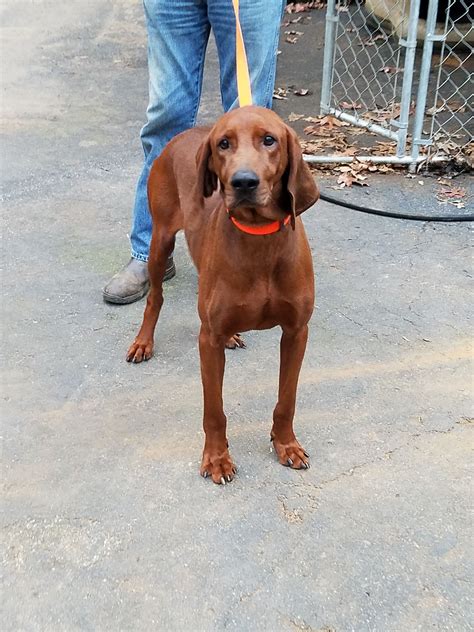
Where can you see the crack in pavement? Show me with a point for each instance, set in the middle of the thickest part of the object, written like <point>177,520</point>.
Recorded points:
<point>372,333</point>
<point>386,455</point>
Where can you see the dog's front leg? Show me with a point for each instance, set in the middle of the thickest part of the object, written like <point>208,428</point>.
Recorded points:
<point>162,245</point>
<point>292,348</point>
<point>216,461</point>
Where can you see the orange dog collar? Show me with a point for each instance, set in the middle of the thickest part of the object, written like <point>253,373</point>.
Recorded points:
<point>262,229</point>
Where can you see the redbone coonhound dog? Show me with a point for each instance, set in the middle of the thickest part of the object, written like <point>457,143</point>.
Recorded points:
<point>237,190</point>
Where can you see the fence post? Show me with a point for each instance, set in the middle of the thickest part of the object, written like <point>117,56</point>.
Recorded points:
<point>329,51</point>
<point>410,45</point>
<point>424,81</point>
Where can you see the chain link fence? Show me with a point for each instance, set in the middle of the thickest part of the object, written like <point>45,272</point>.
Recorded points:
<point>451,110</point>
<point>403,70</point>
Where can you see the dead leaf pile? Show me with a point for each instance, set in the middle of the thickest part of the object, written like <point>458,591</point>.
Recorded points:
<point>301,7</point>
<point>352,174</point>
<point>468,149</point>
<point>383,114</point>
<point>383,148</point>
<point>330,133</point>
<point>461,153</point>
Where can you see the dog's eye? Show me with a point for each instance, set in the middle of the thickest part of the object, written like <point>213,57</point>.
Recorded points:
<point>223,144</point>
<point>268,140</point>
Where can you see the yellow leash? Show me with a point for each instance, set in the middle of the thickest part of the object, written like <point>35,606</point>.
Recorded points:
<point>243,78</point>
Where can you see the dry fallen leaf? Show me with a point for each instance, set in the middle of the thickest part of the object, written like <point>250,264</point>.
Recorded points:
<point>332,121</point>
<point>453,192</point>
<point>370,41</point>
<point>345,105</point>
<point>310,148</point>
<point>452,195</point>
<point>349,151</point>
<point>435,110</point>
<point>391,111</point>
<point>345,180</point>
<point>452,61</point>
<point>351,174</point>
<point>390,70</point>
<point>348,178</point>
<point>280,93</point>
<point>295,117</point>
<point>303,19</point>
<point>302,92</point>
<point>444,106</point>
<point>384,147</point>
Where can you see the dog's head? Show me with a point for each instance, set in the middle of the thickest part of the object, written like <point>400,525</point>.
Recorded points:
<point>258,163</point>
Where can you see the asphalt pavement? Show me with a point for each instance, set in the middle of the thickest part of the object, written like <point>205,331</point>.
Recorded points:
<point>106,523</point>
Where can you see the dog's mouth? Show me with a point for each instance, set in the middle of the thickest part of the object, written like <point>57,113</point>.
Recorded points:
<point>253,199</point>
<point>243,202</point>
<point>252,212</point>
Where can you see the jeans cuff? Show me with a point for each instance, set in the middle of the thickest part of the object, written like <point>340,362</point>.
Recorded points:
<point>138,256</point>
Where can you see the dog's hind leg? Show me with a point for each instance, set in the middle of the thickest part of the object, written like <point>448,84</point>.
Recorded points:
<point>235,342</point>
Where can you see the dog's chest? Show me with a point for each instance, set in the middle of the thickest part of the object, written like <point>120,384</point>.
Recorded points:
<point>259,304</point>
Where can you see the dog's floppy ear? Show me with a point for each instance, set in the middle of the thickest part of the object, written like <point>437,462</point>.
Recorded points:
<point>206,178</point>
<point>302,189</point>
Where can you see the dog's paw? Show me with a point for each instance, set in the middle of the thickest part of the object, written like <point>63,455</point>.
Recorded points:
<point>291,454</point>
<point>235,342</point>
<point>218,466</point>
<point>139,351</point>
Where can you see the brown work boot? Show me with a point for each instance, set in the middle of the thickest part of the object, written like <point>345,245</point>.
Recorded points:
<point>132,282</point>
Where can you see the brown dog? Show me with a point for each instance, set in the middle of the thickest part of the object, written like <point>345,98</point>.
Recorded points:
<point>237,191</point>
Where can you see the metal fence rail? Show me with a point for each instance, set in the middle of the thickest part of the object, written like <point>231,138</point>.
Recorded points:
<point>397,71</point>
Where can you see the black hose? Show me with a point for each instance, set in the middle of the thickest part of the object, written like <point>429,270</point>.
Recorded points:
<point>414,218</point>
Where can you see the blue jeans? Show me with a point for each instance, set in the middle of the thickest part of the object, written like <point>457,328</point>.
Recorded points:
<point>178,32</point>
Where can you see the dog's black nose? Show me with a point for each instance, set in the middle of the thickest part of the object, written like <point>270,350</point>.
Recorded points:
<point>245,180</point>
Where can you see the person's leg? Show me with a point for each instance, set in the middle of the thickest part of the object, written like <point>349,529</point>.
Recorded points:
<point>178,31</point>
<point>260,21</point>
